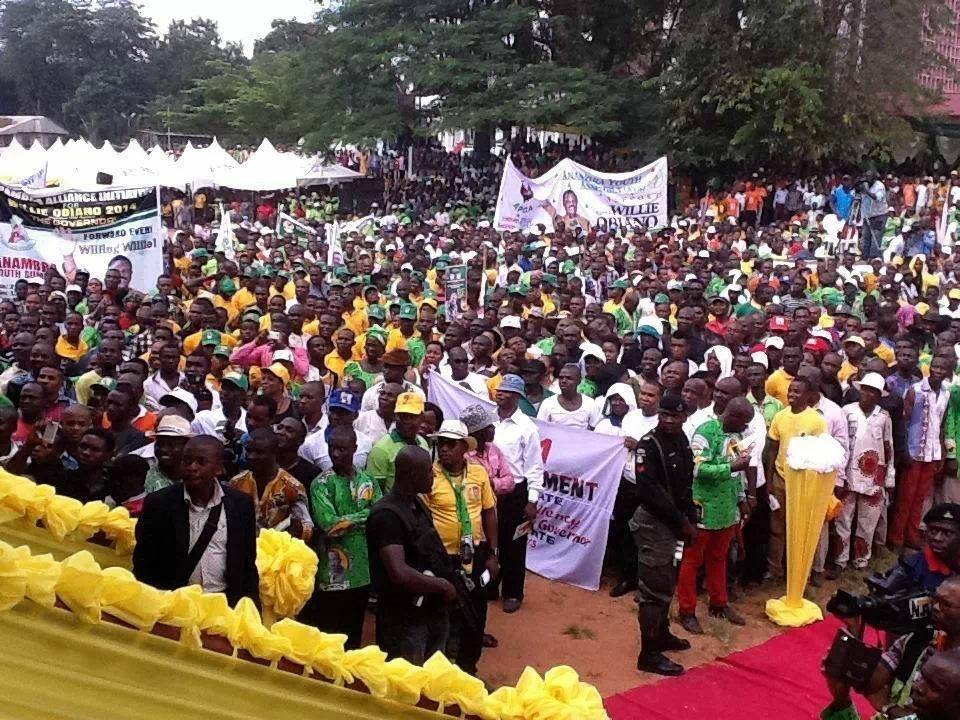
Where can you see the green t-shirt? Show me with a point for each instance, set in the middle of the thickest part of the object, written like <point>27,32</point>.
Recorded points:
<point>340,507</point>
<point>716,489</point>
<point>380,462</point>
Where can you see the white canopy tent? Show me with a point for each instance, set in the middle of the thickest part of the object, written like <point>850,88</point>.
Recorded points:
<point>76,163</point>
<point>321,173</point>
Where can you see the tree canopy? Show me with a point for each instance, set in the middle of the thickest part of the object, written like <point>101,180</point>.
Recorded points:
<point>710,82</point>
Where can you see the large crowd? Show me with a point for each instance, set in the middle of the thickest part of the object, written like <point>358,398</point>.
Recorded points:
<point>263,388</point>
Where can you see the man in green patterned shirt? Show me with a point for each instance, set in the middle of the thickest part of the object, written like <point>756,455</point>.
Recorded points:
<point>719,490</point>
<point>340,502</point>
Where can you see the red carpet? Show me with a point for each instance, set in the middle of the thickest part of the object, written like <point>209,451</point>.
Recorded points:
<point>782,675</point>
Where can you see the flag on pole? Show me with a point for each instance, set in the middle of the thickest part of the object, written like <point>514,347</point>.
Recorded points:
<point>289,226</point>
<point>334,251</point>
<point>224,241</point>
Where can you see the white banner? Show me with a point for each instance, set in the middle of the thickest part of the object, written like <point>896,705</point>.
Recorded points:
<point>93,230</point>
<point>575,195</point>
<point>581,475</point>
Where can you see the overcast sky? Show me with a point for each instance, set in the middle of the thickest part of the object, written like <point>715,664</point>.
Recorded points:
<point>238,20</point>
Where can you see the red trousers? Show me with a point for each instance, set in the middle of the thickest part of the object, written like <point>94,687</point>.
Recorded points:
<point>913,489</point>
<point>712,546</point>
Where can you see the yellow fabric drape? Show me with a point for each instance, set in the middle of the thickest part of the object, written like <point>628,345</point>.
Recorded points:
<point>808,499</point>
<point>59,663</point>
<point>286,565</point>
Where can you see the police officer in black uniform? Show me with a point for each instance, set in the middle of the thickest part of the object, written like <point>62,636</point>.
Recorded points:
<point>666,516</point>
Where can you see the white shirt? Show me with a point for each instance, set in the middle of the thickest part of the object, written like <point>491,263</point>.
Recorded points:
<point>584,417</point>
<point>213,421</point>
<point>372,396</point>
<point>314,449</point>
<point>696,419</point>
<point>472,382</point>
<point>155,387</point>
<point>519,441</point>
<point>371,424</point>
<point>869,438</point>
<point>635,425</point>
<point>837,426</point>
<point>211,572</point>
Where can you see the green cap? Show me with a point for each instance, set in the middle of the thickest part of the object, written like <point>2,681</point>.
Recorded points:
<point>441,264</point>
<point>355,280</point>
<point>368,288</point>
<point>237,378</point>
<point>284,274</point>
<point>376,311</point>
<point>222,350</point>
<point>199,254</point>
<point>336,283</point>
<point>408,311</point>
<point>416,275</point>
<point>228,286</point>
<point>252,313</point>
<point>515,290</point>
<point>105,383</point>
<point>549,279</point>
<point>661,299</point>
<point>341,271</point>
<point>428,293</point>
<point>619,285</point>
<point>210,337</point>
<point>251,272</point>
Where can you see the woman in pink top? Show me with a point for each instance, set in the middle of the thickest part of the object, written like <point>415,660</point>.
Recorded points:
<point>479,422</point>
<point>263,351</point>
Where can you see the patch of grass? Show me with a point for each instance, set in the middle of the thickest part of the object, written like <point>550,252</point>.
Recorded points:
<point>719,629</point>
<point>579,632</point>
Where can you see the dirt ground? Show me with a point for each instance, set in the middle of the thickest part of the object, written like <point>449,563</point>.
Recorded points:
<point>598,636</point>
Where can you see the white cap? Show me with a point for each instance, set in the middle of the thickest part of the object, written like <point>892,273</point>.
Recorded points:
<point>761,358</point>
<point>674,285</point>
<point>872,380</point>
<point>172,426</point>
<point>774,341</point>
<point>283,354</point>
<point>711,230</point>
<point>74,288</point>
<point>510,321</point>
<point>183,396</point>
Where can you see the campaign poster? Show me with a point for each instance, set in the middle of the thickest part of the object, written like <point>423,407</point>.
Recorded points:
<point>73,230</point>
<point>454,291</point>
<point>571,196</point>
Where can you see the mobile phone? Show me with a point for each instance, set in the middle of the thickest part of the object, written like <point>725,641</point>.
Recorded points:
<point>50,432</point>
<point>485,578</point>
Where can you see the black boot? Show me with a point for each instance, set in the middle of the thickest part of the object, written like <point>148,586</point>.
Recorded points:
<point>659,664</point>
<point>671,643</point>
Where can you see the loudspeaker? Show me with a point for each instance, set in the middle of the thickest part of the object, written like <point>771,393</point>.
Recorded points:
<point>104,178</point>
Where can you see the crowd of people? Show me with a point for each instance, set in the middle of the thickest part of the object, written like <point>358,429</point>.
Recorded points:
<point>259,387</point>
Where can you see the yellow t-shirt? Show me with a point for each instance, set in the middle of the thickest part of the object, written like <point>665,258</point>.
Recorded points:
<point>847,371</point>
<point>777,385</point>
<point>787,425</point>
<point>192,342</point>
<point>442,502</point>
<point>289,291</point>
<point>243,299</point>
<point>65,350</point>
<point>396,339</point>
<point>885,353</point>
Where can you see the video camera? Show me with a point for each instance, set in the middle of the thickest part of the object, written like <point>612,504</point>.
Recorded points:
<point>890,606</point>
<point>895,604</point>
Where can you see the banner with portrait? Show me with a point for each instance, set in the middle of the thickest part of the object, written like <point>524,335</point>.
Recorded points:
<point>571,195</point>
<point>80,230</point>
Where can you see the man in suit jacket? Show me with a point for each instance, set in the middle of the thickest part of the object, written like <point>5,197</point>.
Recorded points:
<point>174,519</point>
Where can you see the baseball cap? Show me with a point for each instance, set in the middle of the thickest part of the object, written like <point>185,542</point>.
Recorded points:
<point>210,337</point>
<point>513,384</point>
<point>774,342</point>
<point>944,512</point>
<point>410,403</point>
<point>453,429</point>
<point>172,426</point>
<point>237,378</point>
<point>778,323</point>
<point>376,311</point>
<point>105,383</point>
<point>222,350</point>
<point>345,400</point>
<point>74,288</point>
<point>855,339</point>
<point>228,286</point>
<point>510,321</point>
<point>760,358</point>
<point>672,402</point>
<point>279,371</point>
<point>178,396</point>
<point>408,311</point>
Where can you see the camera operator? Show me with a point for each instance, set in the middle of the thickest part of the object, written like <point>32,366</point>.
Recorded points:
<point>940,557</point>
<point>890,686</point>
